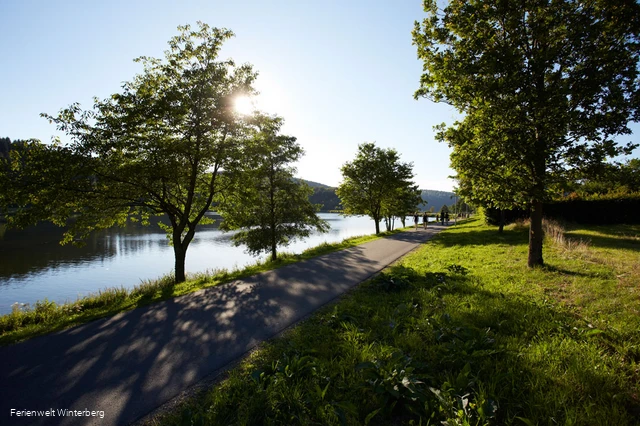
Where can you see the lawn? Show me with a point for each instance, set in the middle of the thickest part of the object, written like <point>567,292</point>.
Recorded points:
<point>458,332</point>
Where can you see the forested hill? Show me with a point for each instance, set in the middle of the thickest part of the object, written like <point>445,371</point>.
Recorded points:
<point>326,195</point>
<point>315,184</point>
<point>437,199</point>
<point>5,146</point>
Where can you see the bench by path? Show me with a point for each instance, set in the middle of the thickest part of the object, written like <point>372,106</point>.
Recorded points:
<point>131,363</point>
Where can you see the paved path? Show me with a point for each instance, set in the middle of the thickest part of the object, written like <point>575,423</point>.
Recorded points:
<point>133,362</point>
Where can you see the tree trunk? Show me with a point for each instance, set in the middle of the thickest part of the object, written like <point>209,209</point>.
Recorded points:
<point>274,244</point>
<point>180,246</point>
<point>377,221</point>
<point>536,236</point>
<point>180,256</point>
<point>272,211</point>
<point>501,224</point>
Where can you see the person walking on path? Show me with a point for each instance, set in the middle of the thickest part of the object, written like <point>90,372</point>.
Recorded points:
<point>415,220</point>
<point>446,217</point>
<point>425,219</point>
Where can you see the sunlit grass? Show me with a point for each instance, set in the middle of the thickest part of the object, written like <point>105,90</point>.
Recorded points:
<point>46,316</point>
<point>459,331</point>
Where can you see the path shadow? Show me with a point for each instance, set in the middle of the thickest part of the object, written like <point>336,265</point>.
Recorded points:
<point>133,362</point>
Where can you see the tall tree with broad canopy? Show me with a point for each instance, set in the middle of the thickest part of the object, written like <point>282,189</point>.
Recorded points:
<point>561,74</point>
<point>373,181</point>
<point>267,205</point>
<point>156,148</point>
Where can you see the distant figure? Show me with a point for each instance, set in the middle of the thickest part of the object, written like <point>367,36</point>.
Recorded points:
<point>437,218</point>
<point>446,216</point>
<point>442,217</point>
<point>425,219</point>
<point>415,220</point>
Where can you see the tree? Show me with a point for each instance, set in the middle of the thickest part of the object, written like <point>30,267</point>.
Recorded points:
<point>557,78</point>
<point>616,178</point>
<point>483,155</point>
<point>267,204</point>
<point>373,180</point>
<point>403,200</point>
<point>5,147</point>
<point>156,148</point>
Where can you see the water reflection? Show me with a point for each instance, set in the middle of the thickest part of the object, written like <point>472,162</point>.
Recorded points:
<point>33,265</point>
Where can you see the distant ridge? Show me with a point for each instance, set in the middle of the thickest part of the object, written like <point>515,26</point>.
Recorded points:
<point>314,184</point>
<point>325,195</point>
<point>437,199</point>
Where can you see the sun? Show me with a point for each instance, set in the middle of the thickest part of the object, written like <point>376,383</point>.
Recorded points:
<point>244,105</point>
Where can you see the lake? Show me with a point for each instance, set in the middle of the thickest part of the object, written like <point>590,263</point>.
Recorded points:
<point>33,265</point>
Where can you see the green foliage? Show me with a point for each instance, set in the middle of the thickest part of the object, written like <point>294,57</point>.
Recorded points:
<point>5,147</point>
<point>597,210</point>
<point>400,201</point>
<point>377,184</point>
<point>264,201</point>
<point>474,338</point>
<point>457,269</point>
<point>155,148</point>
<point>398,280</point>
<point>543,86</point>
<point>616,180</point>
<point>31,177</point>
<point>325,197</point>
<point>606,209</point>
<point>394,381</point>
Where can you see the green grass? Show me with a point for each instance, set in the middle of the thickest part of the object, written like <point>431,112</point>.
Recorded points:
<point>46,316</point>
<point>459,332</point>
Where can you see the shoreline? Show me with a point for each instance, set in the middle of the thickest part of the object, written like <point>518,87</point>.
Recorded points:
<point>44,316</point>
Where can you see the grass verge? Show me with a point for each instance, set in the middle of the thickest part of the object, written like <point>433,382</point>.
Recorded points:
<point>46,316</point>
<point>459,332</point>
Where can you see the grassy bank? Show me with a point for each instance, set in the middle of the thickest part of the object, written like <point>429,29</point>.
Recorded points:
<point>46,316</point>
<point>460,332</point>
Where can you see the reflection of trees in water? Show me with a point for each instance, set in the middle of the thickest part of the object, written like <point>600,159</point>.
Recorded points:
<point>37,248</point>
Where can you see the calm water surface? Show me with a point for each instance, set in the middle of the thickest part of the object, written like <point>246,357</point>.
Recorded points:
<point>33,266</point>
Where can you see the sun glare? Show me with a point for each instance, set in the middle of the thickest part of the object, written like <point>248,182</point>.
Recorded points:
<point>244,105</point>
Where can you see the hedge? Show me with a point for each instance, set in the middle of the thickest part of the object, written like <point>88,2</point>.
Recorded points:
<point>606,211</point>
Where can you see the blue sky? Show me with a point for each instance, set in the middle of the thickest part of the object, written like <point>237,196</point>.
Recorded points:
<point>339,72</point>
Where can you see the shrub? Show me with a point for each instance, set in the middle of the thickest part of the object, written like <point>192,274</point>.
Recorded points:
<point>596,210</point>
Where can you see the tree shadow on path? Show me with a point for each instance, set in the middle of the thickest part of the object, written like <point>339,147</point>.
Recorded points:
<point>133,362</point>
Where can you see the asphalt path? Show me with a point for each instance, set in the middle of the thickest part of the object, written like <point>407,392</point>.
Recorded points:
<point>122,367</point>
